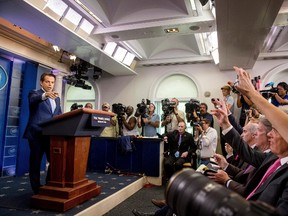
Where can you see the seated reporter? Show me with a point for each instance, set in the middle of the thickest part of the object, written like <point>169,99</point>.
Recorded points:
<point>269,183</point>
<point>181,146</point>
<point>277,117</point>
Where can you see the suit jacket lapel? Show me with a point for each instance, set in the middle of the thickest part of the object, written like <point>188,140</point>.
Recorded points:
<point>273,176</point>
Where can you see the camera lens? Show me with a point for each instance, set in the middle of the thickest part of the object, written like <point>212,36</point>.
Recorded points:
<point>191,193</point>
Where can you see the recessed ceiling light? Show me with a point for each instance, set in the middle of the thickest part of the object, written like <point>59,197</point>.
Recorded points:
<point>171,30</point>
<point>194,28</point>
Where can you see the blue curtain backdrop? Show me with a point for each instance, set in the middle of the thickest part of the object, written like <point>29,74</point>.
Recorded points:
<point>28,83</point>
<point>5,73</point>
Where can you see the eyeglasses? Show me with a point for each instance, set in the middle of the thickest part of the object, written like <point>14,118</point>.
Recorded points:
<point>105,107</point>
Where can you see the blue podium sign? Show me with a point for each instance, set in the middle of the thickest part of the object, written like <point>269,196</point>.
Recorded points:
<point>3,78</point>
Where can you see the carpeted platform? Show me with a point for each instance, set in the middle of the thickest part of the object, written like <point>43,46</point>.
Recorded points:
<point>15,193</point>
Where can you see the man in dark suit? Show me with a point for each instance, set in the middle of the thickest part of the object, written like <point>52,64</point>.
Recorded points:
<point>44,104</point>
<point>274,189</point>
<point>181,146</point>
<point>234,177</point>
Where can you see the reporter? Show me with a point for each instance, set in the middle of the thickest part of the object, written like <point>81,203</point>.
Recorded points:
<point>277,117</point>
<point>274,188</point>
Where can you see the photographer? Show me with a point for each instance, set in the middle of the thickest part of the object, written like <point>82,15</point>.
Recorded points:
<point>203,114</point>
<point>207,140</point>
<point>150,122</point>
<point>280,98</point>
<point>244,103</point>
<point>112,130</point>
<point>171,121</point>
<point>252,115</point>
<point>130,123</point>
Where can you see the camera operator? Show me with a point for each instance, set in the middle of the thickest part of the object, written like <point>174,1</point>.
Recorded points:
<point>280,98</point>
<point>112,130</point>
<point>150,122</point>
<point>130,123</point>
<point>203,114</point>
<point>171,121</point>
<point>206,137</point>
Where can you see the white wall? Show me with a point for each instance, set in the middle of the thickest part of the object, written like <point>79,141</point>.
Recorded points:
<point>129,90</point>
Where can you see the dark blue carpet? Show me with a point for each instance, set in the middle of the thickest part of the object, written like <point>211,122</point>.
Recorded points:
<point>15,193</point>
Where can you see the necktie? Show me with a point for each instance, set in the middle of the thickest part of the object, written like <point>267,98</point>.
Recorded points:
<point>270,170</point>
<point>53,104</point>
<point>180,140</point>
<point>248,168</point>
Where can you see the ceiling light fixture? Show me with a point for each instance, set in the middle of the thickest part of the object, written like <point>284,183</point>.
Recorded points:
<point>131,49</point>
<point>215,56</point>
<point>88,11</point>
<point>72,57</point>
<point>171,30</point>
<point>56,48</point>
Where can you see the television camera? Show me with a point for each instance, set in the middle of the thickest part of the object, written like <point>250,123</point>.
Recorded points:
<point>76,106</point>
<point>142,109</point>
<point>120,110</point>
<point>268,93</point>
<point>167,107</point>
<point>78,76</point>
<point>192,106</point>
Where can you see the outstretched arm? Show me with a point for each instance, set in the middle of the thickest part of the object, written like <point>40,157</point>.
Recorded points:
<point>277,117</point>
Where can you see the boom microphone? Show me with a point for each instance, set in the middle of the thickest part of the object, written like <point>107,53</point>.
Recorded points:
<point>270,84</point>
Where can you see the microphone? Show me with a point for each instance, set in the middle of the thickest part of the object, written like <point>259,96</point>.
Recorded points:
<point>270,84</point>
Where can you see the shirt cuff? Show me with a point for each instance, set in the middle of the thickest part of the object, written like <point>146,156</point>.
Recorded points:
<point>225,131</point>
<point>227,183</point>
<point>43,96</point>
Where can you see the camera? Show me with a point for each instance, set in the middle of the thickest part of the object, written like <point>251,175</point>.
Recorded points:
<point>119,109</point>
<point>190,107</point>
<point>191,193</point>
<point>142,109</point>
<point>232,85</point>
<point>268,93</point>
<point>75,106</point>
<point>167,107</point>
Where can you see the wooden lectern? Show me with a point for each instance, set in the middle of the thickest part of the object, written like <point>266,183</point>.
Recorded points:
<point>70,135</point>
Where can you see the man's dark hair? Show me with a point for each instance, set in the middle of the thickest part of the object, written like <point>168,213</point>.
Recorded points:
<point>42,78</point>
<point>207,121</point>
<point>204,104</point>
<point>284,85</point>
